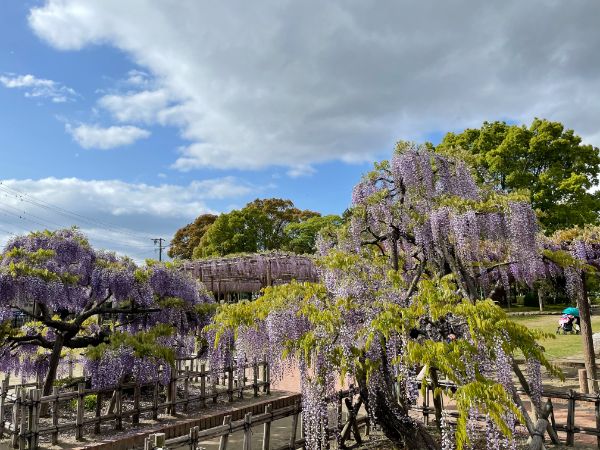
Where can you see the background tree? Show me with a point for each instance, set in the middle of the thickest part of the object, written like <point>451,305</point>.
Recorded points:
<point>544,158</point>
<point>186,239</point>
<point>259,226</point>
<point>403,285</point>
<point>125,320</point>
<point>302,236</point>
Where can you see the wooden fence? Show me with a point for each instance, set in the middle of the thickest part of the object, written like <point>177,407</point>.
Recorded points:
<point>556,398</point>
<point>191,386</point>
<point>349,427</point>
<point>157,441</point>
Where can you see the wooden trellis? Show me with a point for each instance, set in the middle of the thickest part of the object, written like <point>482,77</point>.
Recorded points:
<point>251,273</point>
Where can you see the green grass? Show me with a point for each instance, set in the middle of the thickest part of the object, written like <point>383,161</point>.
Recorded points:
<point>561,346</point>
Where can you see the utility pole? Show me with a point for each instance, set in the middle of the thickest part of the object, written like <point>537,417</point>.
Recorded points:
<point>159,241</point>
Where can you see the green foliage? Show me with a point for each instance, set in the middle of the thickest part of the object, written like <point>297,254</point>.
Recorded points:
<point>23,269</point>
<point>487,324</point>
<point>186,239</point>
<point>259,226</point>
<point>303,235</point>
<point>546,159</point>
<point>89,402</point>
<point>144,344</point>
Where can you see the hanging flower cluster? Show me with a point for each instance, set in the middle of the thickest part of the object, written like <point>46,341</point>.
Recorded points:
<point>73,297</point>
<point>403,286</point>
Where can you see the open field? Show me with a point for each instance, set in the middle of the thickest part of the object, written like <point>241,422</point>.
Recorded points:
<point>561,346</point>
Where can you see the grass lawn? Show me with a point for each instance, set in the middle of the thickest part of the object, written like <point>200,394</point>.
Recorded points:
<point>561,346</point>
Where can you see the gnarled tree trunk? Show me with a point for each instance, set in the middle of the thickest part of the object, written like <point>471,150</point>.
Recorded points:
<point>52,368</point>
<point>392,416</point>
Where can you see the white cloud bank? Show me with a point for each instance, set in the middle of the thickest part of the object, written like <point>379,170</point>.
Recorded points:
<point>295,83</point>
<point>38,87</point>
<point>94,136</point>
<point>141,211</point>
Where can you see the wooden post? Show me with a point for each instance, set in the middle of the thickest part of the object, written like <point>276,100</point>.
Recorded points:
<point>340,419</point>
<point>173,393</point>
<point>294,428</point>
<point>98,412</point>
<point>15,417</point>
<point>597,411</point>
<point>137,393</point>
<point>119,408</point>
<point>55,404</point>
<point>30,407</point>
<point>34,418</point>
<point>148,442</point>
<point>80,411</point>
<point>225,437</point>
<point>426,402</point>
<point>3,394</point>
<point>242,382</point>
<point>194,438</point>
<point>255,377</point>
<point>159,440</point>
<point>203,385</point>
<point>267,377</point>
<point>583,381</point>
<point>571,419</point>
<point>248,431</point>
<point>537,439</point>
<point>267,428</point>
<point>186,389</point>
<point>23,425</point>
<point>230,381</point>
<point>155,401</point>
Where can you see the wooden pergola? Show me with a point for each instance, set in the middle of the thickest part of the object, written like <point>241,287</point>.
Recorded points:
<point>230,278</point>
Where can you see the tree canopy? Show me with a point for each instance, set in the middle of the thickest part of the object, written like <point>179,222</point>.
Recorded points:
<point>405,283</point>
<point>545,158</point>
<point>125,320</point>
<point>186,239</point>
<point>259,226</point>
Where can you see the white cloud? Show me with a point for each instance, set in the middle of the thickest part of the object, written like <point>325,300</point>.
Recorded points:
<point>144,106</point>
<point>115,214</point>
<point>94,136</point>
<point>295,83</point>
<point>38,87</point>
<point>300,171</point>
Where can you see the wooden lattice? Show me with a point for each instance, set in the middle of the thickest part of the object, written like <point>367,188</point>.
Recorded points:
<point>251,273</point>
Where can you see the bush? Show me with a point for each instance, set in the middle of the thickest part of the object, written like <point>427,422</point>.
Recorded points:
<point>89,402</point>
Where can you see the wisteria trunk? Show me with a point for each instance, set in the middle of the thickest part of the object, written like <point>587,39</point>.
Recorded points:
<point>586,333</point>
<point>394,420</point>
<point>52,368</point>
<point>391,413</point>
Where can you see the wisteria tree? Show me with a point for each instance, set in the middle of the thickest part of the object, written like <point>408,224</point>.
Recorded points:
<point>405,284</point>
<point>124,320</point>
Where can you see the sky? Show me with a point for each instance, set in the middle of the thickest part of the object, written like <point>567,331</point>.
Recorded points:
<point>131,118</point>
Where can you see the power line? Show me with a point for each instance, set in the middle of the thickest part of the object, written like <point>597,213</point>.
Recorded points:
<point>65,212</point>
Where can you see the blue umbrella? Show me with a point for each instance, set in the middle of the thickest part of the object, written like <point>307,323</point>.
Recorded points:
<point>571,310</point>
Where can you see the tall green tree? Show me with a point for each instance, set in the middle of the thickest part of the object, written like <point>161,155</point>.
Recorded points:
<point>259,226</point>
<point>188,237</point>
<point>545,158</point>
<point>303,235</point>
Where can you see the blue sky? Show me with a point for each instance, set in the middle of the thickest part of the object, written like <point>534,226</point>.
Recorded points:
<point>137,116</point>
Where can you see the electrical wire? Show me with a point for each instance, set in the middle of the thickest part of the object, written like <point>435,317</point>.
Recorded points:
<point>65,212</point>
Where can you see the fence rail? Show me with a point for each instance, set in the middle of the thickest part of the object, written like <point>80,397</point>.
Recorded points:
<point>571,397</point>
<point>157,441</point>
<point>191,386</point>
